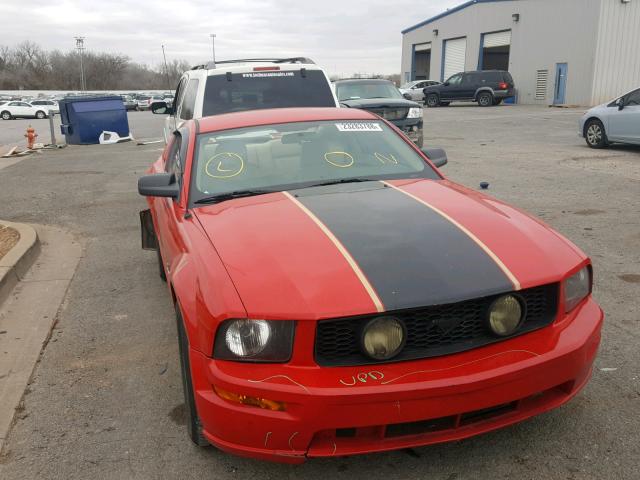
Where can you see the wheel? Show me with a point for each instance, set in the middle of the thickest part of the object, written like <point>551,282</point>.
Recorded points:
<point>40,114</point>
<point>485,99</point>
<point>432,100</point>
<point>444,104</point>
<point>194,427</point>
<point>595,134</point>
<point>5,115</point>
<point>163,273</point>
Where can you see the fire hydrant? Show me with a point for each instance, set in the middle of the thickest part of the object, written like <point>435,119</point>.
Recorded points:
<point>31,136</point>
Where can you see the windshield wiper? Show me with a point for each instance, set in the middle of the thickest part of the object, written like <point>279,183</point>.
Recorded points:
<point>222,197</point>
<point>343,180</point>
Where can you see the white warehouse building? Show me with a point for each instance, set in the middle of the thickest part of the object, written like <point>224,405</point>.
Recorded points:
<point>576,52</point>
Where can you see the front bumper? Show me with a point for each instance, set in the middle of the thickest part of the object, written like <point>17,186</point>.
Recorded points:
<point>352,410</point>
<point>411,127</point>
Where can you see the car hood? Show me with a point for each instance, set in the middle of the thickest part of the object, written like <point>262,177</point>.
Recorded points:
<point>366,103</point>
<point>332,251</point>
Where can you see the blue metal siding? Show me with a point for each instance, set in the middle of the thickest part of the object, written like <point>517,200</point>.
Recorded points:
<point>449,12</point>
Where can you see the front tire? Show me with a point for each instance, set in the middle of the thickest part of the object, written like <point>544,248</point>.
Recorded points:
<point>485,99</point>
<point>40,115</point>
<point>5,115</point>
<point>595,135</point>
<point>194,427</point>
<point>432,100</point>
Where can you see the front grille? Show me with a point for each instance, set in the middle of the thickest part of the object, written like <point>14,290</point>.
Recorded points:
<point>391,113</point>
<point>433,331</point>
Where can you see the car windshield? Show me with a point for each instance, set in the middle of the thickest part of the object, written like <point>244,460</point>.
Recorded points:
<point>358,90</point>
<point>298,155</point>
<point>266,89</point>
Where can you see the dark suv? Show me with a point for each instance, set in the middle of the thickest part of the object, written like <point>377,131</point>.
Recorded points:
<point>487,87</point>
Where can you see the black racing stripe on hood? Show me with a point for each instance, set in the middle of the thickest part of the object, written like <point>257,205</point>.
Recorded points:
<point>411,255</point>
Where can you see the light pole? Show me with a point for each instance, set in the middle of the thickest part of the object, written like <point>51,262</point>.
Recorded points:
<point>166,69</point>
<point>80,48</point>
<point>213,48</point>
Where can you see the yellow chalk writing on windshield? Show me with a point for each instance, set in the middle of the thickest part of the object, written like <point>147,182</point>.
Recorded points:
<point>386,159</point>
<point>339,159</point>
<point>228,165</point>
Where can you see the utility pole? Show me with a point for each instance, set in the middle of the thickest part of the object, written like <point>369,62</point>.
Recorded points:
<point>80,48</point>
<point>213,48</point>
<point>166,69</point>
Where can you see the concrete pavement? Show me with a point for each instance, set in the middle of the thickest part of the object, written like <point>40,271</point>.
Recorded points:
<point>105,401</point>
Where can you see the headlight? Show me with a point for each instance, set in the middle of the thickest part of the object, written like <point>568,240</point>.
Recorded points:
<point>505,315</point>
<point>415,113</point>
<point>576,287</point>
<point>383,338</point>
<point>254,340</point>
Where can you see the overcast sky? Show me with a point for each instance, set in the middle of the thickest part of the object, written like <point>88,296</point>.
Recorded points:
<point>344,36</point>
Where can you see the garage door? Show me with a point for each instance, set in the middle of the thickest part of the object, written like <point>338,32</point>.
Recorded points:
<point>498,39</point>
<point>495,52</point>
<point>455,52</point>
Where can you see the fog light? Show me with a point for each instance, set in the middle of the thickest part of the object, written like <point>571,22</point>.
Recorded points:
<point>251,401</point>
<point>505,315</point>
<point>383,338</point>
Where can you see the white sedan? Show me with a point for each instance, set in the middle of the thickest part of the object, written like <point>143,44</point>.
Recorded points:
<point>614,122</point>
<point>22,110</point>
<point>415,89</point>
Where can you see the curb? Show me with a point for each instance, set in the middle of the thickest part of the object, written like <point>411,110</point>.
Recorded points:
<point>19,259</point>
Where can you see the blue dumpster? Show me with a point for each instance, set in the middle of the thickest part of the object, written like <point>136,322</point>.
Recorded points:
<point>85,118</point>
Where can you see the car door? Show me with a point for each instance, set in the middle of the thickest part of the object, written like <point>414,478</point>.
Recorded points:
<point>450,90</point>
<point>624,125</point>
<point>470,83</point>
<point>171,124</point>
<point>416,91</point>
<point>20,109</point>
<point>166,211</point>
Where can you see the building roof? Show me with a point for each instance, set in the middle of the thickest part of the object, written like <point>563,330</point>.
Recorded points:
<point>449,12</point>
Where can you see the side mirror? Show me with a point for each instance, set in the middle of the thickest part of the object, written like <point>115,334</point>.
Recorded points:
<point>620,103</point>
<point>159,185</point>
<point>446,84</point>
<point>161,108</point>
<point>437,156</point>
<point>406,96</point>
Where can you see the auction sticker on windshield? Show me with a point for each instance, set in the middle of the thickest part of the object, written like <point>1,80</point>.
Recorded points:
<point>359,127</point>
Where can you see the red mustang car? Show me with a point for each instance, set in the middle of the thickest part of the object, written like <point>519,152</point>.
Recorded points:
<point>336,295</point>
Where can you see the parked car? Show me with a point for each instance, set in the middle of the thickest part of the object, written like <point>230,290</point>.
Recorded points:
<point>254,84</point>
<point>614,122</point>
<point>384,99</point>
<point>415,90</point>
<point>487,87</point>
<point>129,102</point>
<point>143,102</point>
<point>22,110</point>
<point>49,105</point>
<point>336,295</point>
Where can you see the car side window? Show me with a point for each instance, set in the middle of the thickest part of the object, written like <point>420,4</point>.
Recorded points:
<point>455,79</point>
<point>188,105</point>
<point>470,79</point>
<point>633,98</point>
